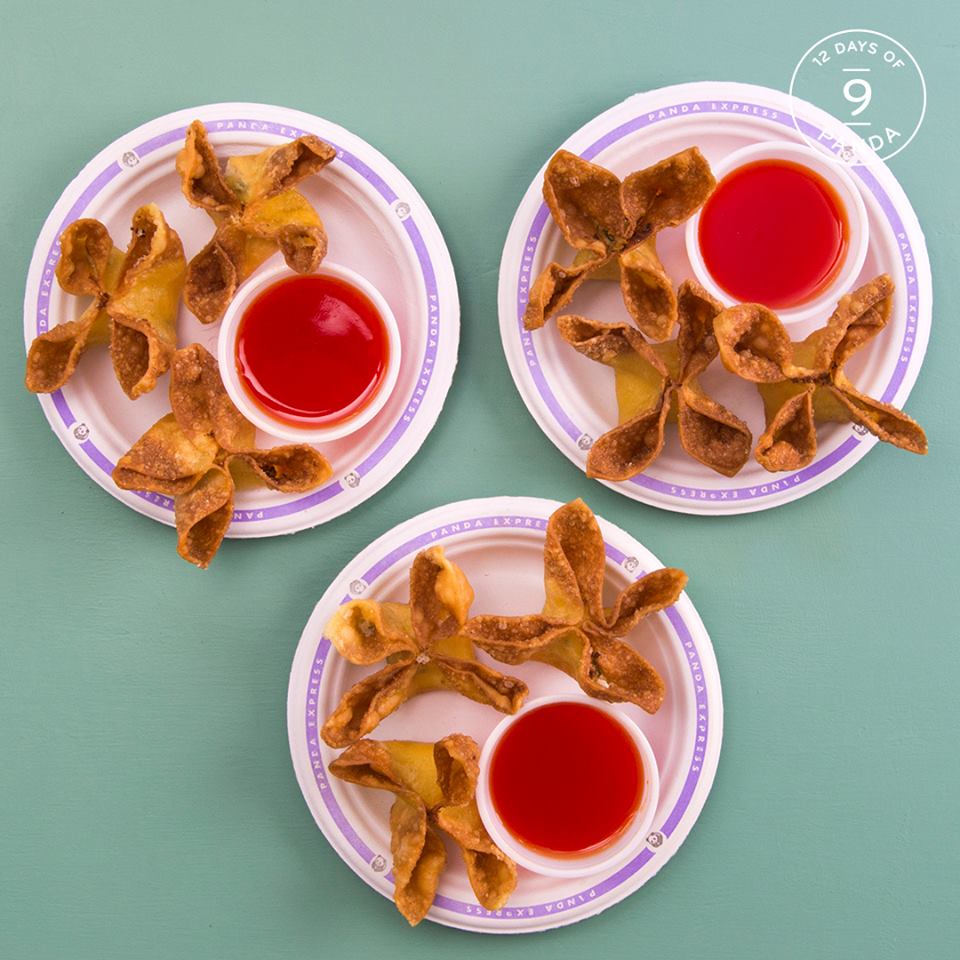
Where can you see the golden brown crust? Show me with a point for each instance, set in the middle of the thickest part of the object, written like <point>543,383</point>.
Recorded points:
<point>492,874</point>
<point>668,192</point>
<point>696,342</point>
<point>652,382</point>
<point>85,248</point>
<point>585,202</point>
<point>136,299</point>
<point>602,342</point>
<point>656,591</point>
<point>186,454</point>
<point>368,702</point>
<point>293,468</point>
<point>165,460</point>
<point>289,221</point>
<point>614,222</point>
<point>203,514</point>
<point>516,640</point>
<point>53,356</point>
<point>884,421</point>
<point>753,343</point>
<point>457,760</point>
<point>858,318</point>
<point>260,176</point>
<point>630,447</point>
<point>418,854</point>
<point>790,440</point>
<point>303,246</point>
<point>145,305</point>
<point>481,683</point>
<point>365,631</point>
<point>419,858</point>
<point>710,432</point>
<point>435,789</point>
<point>554,289</point>
<point>201,179</point>
<point>422,643</point>
<point>615,672</point>
<point>575,632</point>
<point>801,381</point>
<point>369,764</point>
<point>199,400</point>
<point>647,290</point>
<point>440,597</point>
<point>256,210</point>
<point>211,282</point>
<point>139,356</point>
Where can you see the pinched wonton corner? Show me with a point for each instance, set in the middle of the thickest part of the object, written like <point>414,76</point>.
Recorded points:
<point>136,296</point>
<point>657,382</point>
<point>435,787</point>
<point>189,454</point>
<point>802,383</point>
<point>256,210</point>
<point>575,632</point>
<point>614,225</point>
<point>423,646</point>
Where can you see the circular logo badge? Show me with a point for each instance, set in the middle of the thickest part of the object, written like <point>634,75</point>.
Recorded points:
<point>870,82</point>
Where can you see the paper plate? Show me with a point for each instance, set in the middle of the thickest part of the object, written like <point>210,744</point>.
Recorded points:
<point>572,398</point>
<point>378,225</point>
<point>499,544</point>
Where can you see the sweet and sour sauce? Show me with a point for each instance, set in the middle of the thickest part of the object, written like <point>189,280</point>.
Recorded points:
<point>566,779</point>
<point>312,350</point>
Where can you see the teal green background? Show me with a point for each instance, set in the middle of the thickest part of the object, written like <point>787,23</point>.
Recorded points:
<point>148,808</point>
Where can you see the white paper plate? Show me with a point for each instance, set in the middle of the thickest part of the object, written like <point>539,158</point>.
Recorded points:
<point>378,225</point>
<point>499,544</point>
<point>572,398</point>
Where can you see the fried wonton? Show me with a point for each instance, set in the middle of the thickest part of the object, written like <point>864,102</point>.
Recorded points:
<point>575,632</point>
<point>191,452</point>
<point>435,788</point>
<point>656,383</point>
<point>136,296</point>
<point>802,383</point>
<point>256,210</point>
<point>613,224</point>
<point>423,646</point>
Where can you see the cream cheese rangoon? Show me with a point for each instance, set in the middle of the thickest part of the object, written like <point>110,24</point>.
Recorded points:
<point>575,632</point>
<point>435,788</point>
<point>424,647</point>
<point>256,212</point>
<point>136,297</point>
<point>613,225</point>
<point>805,383</point>
<point>657,383</point>
<point>196,453</point>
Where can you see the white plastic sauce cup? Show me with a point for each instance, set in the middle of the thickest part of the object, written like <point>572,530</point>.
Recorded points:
<point>227,357</point>
<point>626,846</point>
<point>821,306</point>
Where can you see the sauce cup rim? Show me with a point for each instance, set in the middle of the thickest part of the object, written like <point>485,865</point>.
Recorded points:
<point>260,418</point>
<point>858,225</point>
<point>630,842</point>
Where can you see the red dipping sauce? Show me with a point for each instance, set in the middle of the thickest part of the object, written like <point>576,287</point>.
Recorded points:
<point>773,232</point>
<point>566,779</point>
<point>311,350</point>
